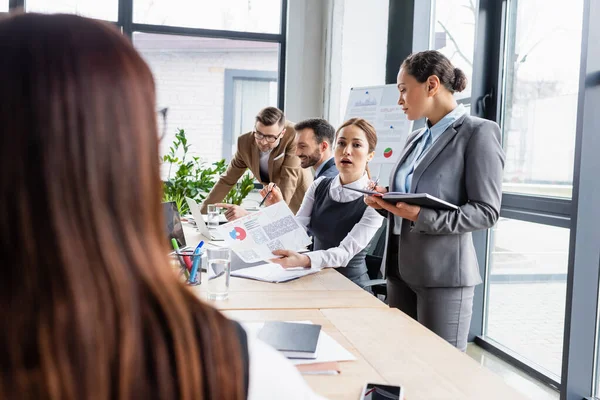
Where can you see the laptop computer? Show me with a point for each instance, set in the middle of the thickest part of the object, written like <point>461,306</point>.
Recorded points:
<point>173,227</point>
<point>200,224</point>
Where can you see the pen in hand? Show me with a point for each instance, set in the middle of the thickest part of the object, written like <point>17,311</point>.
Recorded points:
<point>266,196</point>
<point>373,184</point>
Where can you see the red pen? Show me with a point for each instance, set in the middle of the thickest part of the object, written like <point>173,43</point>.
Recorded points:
<point>188,262</point>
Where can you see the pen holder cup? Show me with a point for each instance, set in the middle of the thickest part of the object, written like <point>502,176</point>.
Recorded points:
<point>186,261</point>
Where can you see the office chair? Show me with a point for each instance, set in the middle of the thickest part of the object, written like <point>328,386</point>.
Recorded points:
<point>374,259</point>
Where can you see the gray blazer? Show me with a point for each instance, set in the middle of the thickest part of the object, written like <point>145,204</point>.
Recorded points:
<point>464,167</point>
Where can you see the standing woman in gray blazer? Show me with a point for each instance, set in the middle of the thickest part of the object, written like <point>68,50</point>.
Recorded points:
<point>430,259</point>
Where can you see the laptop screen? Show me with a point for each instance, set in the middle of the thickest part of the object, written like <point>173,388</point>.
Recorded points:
<point>173,226</point>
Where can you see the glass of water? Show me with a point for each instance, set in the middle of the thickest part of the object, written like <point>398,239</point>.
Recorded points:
<point>213,216</point>
<point>218,271</point>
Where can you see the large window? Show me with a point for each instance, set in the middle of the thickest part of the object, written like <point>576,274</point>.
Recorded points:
<point>215,64</point>
<point>538,304</point>
<point>543,46</point>
<point>209,85</point>
<point>527,270</point>
<point>526,290</point>
<point>262,16</point>
<point>105,9</point>
<point>3,5</point>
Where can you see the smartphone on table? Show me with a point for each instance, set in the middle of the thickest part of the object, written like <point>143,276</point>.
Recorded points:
<point>377,391</point>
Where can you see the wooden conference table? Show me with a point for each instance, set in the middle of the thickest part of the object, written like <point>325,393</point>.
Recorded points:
<point>389,346</point>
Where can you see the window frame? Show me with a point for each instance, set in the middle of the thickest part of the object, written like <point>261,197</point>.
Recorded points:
<point>127,26</point>
<point>579,359</point>
<point>231,75</point>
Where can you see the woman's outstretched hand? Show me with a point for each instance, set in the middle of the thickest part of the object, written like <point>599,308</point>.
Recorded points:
<point>291,259</point>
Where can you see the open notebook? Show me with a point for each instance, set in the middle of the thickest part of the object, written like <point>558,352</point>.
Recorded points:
<point>275,273</point>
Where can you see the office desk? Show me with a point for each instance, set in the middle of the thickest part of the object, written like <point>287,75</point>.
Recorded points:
<point>392,348</point>
<point>326,289</point>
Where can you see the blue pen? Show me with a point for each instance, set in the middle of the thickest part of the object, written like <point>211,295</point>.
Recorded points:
<point>197,258</point>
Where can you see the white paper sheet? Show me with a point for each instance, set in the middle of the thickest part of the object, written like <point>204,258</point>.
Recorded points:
<point>275,273</point>
<point>328,350</point>
<point>255,236</point>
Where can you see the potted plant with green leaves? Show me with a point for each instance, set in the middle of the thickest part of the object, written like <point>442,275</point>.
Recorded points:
<point>188,176</point>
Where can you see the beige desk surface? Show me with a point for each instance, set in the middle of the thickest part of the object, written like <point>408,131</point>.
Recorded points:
<point>392,348</point>
<point>389,346</point>
<point>326,289</point>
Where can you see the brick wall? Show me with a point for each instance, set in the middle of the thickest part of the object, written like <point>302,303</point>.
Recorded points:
<point>191,85</point>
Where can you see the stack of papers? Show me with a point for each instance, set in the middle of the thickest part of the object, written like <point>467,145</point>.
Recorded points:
<point>272,273</point>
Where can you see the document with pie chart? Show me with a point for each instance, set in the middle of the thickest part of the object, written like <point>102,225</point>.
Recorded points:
<point>254,237</point>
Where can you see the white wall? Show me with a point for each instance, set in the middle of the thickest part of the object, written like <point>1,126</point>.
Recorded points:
<point>305,63</point>
<point>358,45</point>
<point>192,86</point>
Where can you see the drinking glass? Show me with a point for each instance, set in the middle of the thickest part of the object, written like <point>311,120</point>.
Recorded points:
<point>218,271</point>
<point>213,216</point>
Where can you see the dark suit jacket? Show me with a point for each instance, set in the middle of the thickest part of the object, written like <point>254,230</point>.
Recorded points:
<point>463,167</point>
<point>329,170</point>
<point>284,169</point>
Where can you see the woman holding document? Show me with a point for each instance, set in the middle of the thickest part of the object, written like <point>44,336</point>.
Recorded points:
<point>430,259</point>
<point>341,223</point>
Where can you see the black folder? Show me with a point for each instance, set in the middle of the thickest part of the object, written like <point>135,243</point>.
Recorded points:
<point>417,199</point>
<point>294,340</point>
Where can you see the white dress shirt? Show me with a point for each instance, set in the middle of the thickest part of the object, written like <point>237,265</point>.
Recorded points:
<point>264,162</point>
<point>272,376</point>
<point>357,239</point>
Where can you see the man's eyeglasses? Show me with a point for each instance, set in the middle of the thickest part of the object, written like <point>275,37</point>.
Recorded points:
<point>162,122</point>
<point>268,138</point>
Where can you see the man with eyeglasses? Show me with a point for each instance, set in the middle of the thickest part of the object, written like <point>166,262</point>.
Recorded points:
<point>269,151</point>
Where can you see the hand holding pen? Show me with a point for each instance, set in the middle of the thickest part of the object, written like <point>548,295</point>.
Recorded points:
<point>373,184</point>
<point>271,195</point>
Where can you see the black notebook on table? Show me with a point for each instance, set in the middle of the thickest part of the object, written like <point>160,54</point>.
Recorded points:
<point>294,340</point>
<point>417,199</point>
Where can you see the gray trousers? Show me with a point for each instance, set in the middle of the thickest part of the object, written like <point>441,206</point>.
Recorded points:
<point>446,311</point>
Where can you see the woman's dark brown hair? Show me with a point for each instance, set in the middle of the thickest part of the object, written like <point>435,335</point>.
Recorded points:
<point>424,64</point>
<point>88,303</point>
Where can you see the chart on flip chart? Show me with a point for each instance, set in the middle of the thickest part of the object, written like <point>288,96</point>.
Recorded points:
<point>379,106</point>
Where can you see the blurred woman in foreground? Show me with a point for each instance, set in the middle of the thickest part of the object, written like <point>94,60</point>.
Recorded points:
<point>90,308</point>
